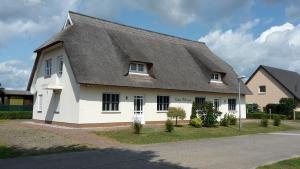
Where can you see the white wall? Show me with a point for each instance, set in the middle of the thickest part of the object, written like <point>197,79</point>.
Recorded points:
<point>90,105</point>
<point>69,96</point>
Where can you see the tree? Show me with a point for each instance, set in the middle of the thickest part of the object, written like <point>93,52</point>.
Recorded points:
<point>209,114</point>
<point>194,113</point>
<point>176,112</point>
<point>287,105</point>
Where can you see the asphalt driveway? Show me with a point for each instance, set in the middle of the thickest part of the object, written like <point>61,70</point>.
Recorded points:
<point>241,152</point>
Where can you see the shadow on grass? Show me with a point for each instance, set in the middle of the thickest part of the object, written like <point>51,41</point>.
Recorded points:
<point>112,158</point>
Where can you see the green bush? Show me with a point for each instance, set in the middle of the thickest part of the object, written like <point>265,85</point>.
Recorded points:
<point>169,125</point>
<point>196,122</point>
<point>287,106</point>
<point>225,120</point>
<point>16,115</point>
<point>281,116</point>
<point>176,112</point>
<point>137,127</point>
<point>297,114</point>
<point>276,120</point>
<point>251,108</point>
<point>232,119</point>
<point>195,107</point>
<point>264,122</point>
<point>256,115</point>
<point>209,115</point>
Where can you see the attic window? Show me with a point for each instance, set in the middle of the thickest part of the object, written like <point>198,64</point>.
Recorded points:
<point>216,77</point>
<point>138,68</point>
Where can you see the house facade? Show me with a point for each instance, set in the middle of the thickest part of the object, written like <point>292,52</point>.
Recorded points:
<point>96,72</point>
<point>269,85</point>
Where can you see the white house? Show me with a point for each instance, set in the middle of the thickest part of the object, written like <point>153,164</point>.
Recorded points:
<point>96,72</point>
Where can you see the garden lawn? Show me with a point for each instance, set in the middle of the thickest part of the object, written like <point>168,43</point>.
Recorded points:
<point>158,134</point>
<point>293,163</point>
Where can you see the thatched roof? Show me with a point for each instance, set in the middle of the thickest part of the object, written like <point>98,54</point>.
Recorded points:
<point>100,52</point>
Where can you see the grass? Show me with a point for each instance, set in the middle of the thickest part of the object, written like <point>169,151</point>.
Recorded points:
<point>293,163</point>
<point>11,151</point>
<point>158,134</point>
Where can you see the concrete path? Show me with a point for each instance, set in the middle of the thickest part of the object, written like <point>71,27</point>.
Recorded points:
<point>241,152</point>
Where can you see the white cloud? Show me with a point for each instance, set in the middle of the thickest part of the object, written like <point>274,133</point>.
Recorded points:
<point>277,46</point>
<point>14,74</point>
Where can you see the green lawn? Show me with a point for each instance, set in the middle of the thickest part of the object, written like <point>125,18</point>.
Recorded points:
<point>11,152</point>
<point>293,163</point>
<point>158,134</point>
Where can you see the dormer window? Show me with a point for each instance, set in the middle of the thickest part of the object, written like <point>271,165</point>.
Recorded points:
<point>216,77</point>
<point>138,68</point>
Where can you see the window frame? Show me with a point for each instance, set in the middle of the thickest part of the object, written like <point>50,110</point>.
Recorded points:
<point>40,103</point>
<point>200,98</point>
<point>214,79</point>
<point>48,67</point>
<point>259,89</point>
<point>219,104</point>
<point>112,104</point>
<point>60,65</point>
<point>230,106</point>
<point>137,70</point>
<point>161,104</point>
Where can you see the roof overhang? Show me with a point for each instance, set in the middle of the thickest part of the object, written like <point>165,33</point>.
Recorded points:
<point>53,87</point>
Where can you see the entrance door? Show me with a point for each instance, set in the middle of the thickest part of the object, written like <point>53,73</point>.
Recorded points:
<point>138,109</point>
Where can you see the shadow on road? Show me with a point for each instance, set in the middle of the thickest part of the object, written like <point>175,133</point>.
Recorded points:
<point>109,158</point>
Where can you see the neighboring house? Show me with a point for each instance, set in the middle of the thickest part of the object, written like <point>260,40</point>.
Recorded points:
<point>98,72</point>
<point>16,97</point>
<point>269,85</point>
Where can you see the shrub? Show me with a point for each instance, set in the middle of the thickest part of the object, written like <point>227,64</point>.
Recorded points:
<point>282,117</point>
<point>225,120</point>
<point>264,122</point>
<point>287,106</point>
<point>251,108</point>
<point>16,115</point>
<point>195,107</point>
<point>209,115</point>
<point>137,127</point>
<point>196,122</point>
<point>169,125</point>
<point>176,112</point>
<point>257,115</point>
<point>232,119</point>
<point>276,120</point>
<point>275,108</point>
<point>297,114</point>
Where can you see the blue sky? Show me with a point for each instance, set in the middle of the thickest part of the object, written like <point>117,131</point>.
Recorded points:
<point>245,33</point>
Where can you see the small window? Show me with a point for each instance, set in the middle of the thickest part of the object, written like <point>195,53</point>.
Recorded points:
<point>40,103</point>
<point>110,102</point>
<point>60,64</point>
<point>231,104</point>
<point>140,68</point>
<point>217,104</point>
<point>163,103</point>
<point>215,77</point>
<point>199,100</point>
<point>262,89</point>
<point>48,67</point>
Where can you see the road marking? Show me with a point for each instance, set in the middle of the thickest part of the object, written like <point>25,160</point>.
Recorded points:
<point>287,134</point>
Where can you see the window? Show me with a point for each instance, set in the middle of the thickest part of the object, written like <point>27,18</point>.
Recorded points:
<point>199,100</point>
<point>110,102</point>
<point>138,68</point>
<point>48,68</point>
<point>60,64</point>
<point>40,103</point>
<point>217,104</point>
<point>262,89</point>
<point>215,77</point>
<point>231,104</point>
<point>163,103</point>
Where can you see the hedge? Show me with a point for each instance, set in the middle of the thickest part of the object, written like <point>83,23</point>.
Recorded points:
<point>16,115</point>
<point>260,115</point>
<point>297,114</point>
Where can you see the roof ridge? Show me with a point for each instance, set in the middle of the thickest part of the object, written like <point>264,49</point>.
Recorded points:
<point>137,28</point>
<point>265,66</point>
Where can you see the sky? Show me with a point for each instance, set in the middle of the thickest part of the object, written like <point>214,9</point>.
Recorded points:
<point>244,33</point>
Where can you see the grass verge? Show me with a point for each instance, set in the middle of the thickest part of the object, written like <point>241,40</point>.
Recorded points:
<point>11,151</point>
<point>158,134</point>
<point>293,163</point>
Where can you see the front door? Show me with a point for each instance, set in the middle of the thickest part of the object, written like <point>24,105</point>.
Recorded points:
<point>138,108</point>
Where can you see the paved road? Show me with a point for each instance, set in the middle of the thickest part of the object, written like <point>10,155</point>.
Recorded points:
<point>242,152</point>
